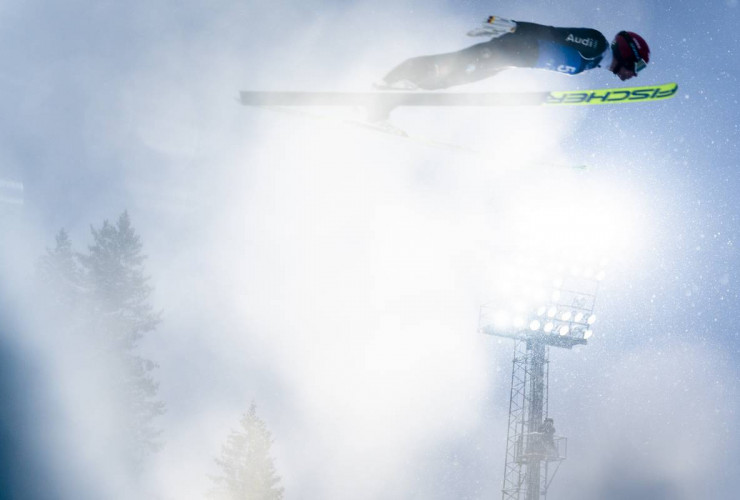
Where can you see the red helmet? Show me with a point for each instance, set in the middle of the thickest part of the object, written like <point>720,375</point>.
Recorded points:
<point>631,50</point>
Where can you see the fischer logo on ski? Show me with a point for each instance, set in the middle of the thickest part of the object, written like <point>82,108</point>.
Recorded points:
<point>631,94</point>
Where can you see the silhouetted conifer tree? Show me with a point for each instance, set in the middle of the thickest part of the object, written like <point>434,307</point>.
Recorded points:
<point>119,293</point>
<point>102,298</point>
<point>247,469</point>
<point>61,275</point>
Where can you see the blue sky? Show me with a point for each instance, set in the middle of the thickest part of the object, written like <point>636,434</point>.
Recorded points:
<point>334,276</point>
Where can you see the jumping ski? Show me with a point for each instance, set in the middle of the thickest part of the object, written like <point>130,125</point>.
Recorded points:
<point>384,127</point>
<point>378,105</point>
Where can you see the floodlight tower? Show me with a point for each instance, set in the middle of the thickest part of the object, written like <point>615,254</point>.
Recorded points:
<point>533,452</point>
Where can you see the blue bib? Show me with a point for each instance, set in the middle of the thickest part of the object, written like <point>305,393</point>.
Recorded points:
<point>556,57</point>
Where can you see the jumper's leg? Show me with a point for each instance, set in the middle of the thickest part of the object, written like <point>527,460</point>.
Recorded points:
<point>474,63</point>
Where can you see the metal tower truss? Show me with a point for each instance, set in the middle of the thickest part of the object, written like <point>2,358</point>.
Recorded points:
<point>533,451</point>
<point>529,452</point>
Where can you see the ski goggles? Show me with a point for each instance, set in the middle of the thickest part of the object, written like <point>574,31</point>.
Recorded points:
<point>640,63</point>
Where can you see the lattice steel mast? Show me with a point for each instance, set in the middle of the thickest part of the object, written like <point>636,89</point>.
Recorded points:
<point>533,452</point>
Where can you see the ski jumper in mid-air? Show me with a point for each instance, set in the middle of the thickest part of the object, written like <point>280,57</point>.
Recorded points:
<point>517,44</point>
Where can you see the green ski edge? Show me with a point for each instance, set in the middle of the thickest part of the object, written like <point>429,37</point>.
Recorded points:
<point>612,96</point>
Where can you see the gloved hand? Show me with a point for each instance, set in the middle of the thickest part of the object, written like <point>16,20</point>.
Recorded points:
<point>494,27</point>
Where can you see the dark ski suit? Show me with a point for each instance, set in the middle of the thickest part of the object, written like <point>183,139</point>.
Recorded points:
<point>567,50</point>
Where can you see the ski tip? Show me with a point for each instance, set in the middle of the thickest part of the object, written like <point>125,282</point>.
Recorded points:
<point>644,93</point>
